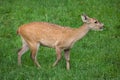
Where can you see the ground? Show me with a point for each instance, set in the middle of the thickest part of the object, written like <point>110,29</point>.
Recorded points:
<point>95,57</point>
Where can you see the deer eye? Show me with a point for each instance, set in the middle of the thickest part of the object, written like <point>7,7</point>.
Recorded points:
<point>96,22</point>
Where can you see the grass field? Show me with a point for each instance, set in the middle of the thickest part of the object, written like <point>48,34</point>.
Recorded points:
<point>95,57</point>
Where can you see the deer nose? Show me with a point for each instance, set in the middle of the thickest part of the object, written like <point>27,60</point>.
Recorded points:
<point>101,27</point>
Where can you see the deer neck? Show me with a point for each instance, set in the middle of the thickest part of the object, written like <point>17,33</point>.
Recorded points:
<point>81,32</point>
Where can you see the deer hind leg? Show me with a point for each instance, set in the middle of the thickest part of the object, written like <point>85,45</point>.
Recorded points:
<point>34,49</point>
<point>58,54</point>
<point>67,57</point>
<point>22,51</point>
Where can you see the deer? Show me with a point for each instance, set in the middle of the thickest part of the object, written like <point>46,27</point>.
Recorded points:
<point>60,38</point>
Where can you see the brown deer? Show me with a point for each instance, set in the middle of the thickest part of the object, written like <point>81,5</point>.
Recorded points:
<point>60,38</point>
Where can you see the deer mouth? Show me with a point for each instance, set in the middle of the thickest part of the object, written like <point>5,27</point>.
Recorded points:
<point>101,28</point>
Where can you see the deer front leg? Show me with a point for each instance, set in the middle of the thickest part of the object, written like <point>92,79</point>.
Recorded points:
<point>58,55</point>
<point>67,57</point>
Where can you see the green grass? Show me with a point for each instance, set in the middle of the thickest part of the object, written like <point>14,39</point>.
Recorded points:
<point>95,57</point>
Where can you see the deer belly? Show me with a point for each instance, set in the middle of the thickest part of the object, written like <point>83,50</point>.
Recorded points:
<point>48,43</point>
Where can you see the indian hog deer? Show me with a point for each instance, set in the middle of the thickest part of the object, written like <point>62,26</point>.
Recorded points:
<point>60,38</point>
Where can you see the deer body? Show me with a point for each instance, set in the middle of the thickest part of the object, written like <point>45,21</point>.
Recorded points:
<point>51,35</point>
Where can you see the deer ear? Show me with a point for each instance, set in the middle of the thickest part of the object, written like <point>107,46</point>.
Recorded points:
<point>85,18</point>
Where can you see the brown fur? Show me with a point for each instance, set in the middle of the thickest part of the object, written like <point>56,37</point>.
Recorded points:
<point>51,35</point>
